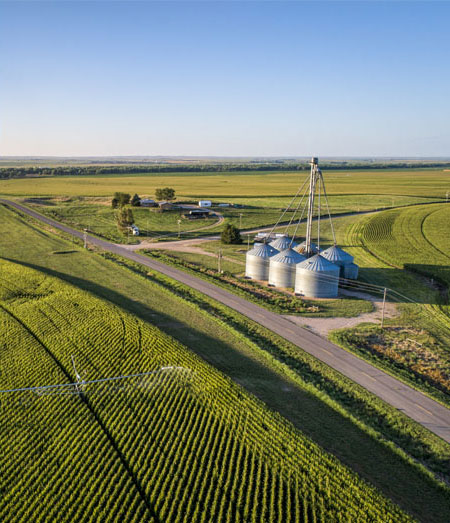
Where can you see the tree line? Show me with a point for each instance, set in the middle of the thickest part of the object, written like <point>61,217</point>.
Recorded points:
<point>18,172</point>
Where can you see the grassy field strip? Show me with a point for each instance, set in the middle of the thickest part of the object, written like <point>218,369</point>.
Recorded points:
<point>326,489</point>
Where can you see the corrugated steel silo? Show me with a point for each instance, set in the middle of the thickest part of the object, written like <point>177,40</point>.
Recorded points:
<point>345,261</point>
<point>350,271</point>
<point>282,268</point>
<point>317,277</point>
<point>282,243</point>
<point>302,246</point>
<point>257,262</point>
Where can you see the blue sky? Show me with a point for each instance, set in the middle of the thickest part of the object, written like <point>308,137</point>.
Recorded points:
<point>225,78</point>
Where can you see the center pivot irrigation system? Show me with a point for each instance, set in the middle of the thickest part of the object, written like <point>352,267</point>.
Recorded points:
<point>81,387</point>
<point>304,267</point>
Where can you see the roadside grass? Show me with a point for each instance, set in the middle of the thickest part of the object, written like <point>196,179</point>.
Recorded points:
<point>203,260</point>
<point>339,415</point>
<point>268,297</point>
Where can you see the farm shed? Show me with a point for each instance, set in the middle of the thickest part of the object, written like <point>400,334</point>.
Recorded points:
<point>165,206</point>
<point>147,202</point>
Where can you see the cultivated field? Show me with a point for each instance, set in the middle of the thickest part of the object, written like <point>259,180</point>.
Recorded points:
<point>408,251</point>
<point>262,194</point>
<point>184,443</point>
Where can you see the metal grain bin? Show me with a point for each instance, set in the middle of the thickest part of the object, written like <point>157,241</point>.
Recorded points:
<point>350,271</point>
<point>301,248</point>
<point>282,268</point>
<point>317,277</point>
<point>282,243</point>
<point>343,259</point>
<point>257,262</point>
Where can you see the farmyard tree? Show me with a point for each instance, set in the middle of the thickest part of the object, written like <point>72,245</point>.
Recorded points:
<point>166,193</point>
<point>135,201</point>
<point>230,234</point>
<point>120,199</point>
<point>124,218</point>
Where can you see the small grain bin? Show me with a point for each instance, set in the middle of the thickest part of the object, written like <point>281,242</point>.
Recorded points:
<point>351,271</point>
<point>282,268</point>
<point>343,259</point>
<point>317,277</point>
<point>302,248</point>
<point>282,243</point>
<point>257,262</point>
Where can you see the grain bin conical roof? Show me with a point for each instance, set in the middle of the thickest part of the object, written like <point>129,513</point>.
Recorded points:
<point>282,243</point>
<point>262,251</point>
<point>318,264</point>
<point>288,256</point>
<point>337,255</point>
<point>301,248</point>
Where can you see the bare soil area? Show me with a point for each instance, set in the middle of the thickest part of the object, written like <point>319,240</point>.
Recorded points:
<point>323,326</point>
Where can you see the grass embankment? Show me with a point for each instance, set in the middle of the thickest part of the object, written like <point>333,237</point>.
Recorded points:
<point>407,250</point>
<point>267,297</point>
<point>340,416</point>
<point>160,461</point>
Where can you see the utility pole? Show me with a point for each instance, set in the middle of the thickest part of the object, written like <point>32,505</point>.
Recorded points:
<point>85,238</point>
<point>179,228</point>
<point>248,242</point>
<point>240,221</point>
<point>446,196</point>
<point>382,310</point>
<point>219,259</point>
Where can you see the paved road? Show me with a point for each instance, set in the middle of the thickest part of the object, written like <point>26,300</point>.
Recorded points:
<point>414,404</point>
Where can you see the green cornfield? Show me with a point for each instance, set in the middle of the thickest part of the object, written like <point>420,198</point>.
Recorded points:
<point>184,443</point>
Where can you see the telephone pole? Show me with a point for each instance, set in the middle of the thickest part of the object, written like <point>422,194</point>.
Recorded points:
<point>382,310</point>
<point>219,259</point>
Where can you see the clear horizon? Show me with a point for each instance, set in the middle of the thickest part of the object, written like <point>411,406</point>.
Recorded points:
<point>224,79</point>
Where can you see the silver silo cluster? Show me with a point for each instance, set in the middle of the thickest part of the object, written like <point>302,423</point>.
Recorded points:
<point>287,265</point>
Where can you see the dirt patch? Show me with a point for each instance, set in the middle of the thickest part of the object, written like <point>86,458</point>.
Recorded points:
<point>323,326</point>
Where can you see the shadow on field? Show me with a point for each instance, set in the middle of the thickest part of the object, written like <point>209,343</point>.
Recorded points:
<point>374,461</point>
